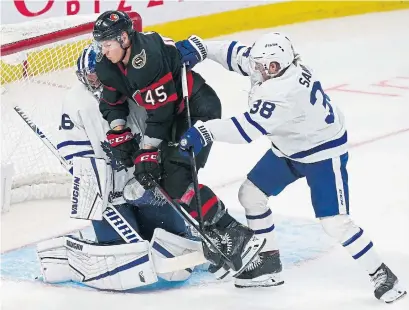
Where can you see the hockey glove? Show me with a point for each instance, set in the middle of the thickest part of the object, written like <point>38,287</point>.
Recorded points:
<point>124,145</point>
<point>147,168</point>
<point>192,51</point>
<point>195,139</point>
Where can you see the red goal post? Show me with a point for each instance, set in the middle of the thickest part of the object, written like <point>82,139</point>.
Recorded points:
<point>35,73</point>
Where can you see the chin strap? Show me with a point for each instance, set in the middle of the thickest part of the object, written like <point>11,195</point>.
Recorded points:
<point>123,48</point>
<point>124,54</point>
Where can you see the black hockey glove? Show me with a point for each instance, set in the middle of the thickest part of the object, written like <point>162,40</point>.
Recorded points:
<point>124,145</point>
<point>147,167</point>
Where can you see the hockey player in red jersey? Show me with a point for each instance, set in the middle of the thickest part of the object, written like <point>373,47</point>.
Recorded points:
<point>146,69</point>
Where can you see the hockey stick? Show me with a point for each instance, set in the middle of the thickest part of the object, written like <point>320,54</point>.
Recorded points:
<point>195,180</point>
<point>111,214</point>
<point>190,220</point>
<point>191,154</point>
<point>43,137</point>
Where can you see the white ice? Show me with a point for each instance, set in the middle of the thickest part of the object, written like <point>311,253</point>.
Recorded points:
<point>359,51</point>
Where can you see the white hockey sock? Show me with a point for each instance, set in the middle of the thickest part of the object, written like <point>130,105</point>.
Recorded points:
<point>258,214</point>
<point>263,225</point>
<point>353,239</point>
<point>361,249</point>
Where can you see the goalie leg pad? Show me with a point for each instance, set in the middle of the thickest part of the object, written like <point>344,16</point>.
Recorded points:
<point>91,185</point>
<point>175,257</point>
<point>114,267</point>
<point>53,258</point>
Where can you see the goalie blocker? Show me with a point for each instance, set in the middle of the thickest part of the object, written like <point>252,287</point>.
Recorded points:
<point>91,185</point>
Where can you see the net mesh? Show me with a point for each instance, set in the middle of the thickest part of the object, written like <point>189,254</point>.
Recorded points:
<point>36,80</point>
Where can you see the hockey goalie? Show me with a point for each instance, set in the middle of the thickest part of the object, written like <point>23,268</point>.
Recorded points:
<point>138,236</point>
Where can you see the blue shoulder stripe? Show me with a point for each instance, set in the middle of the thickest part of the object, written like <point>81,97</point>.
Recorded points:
<point>229,53</point>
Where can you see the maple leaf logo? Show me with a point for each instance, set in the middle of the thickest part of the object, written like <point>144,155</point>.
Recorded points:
<point>116,164</point>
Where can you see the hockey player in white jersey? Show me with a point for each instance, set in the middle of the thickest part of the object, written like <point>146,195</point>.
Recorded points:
<point>308,139</point>
<point>139,237</point>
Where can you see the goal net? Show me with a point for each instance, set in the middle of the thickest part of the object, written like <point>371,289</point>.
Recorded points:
<point>37,69</point>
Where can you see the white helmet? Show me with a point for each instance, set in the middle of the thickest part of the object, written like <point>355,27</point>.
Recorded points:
<point>271,47</point>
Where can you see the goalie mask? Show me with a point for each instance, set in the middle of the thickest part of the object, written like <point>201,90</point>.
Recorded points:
<point>270,55</point>
<point>86,70</point>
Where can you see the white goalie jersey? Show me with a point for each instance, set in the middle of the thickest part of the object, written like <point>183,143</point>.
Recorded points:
<point>119,267</point>
<point>292,110</point>
<point>83,134</point>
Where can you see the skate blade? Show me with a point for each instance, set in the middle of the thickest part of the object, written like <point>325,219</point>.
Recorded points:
<point>250,253</point>
<point>223,273</point>
<point>262,281</point>
<point>394,294</point>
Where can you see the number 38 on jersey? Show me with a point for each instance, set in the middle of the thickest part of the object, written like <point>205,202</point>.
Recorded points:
<point>264,108</point>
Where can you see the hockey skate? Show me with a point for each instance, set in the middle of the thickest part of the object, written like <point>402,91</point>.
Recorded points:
<point>386,285</point>
<point>238,243</point>
<point>263,271</point>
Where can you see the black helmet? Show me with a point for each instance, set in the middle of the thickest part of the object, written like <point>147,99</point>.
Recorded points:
<point>111,24</point>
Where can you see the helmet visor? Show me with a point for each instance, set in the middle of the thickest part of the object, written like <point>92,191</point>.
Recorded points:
<point>259,68</point>
<point>105,46</point>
